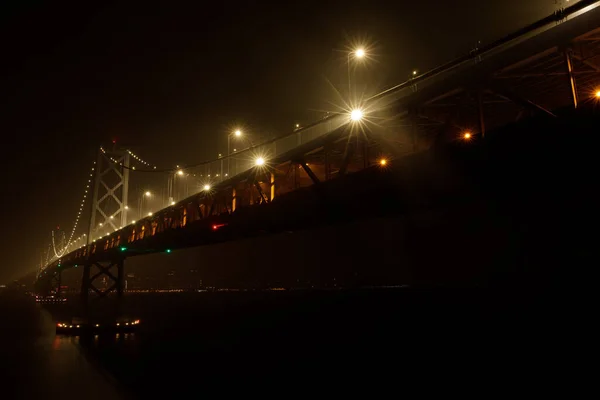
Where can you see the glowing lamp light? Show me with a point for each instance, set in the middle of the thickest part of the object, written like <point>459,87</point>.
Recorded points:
<point>172,203</point>
<point>237,133</point>
<point>597,94</point>
<point>168,250</point>
<point>360,53</point>
<point>260,161</point>
<point>467,135</point>
<point>383,162</point>
<point>149,214</point>
<point>356,115</point>
<point>123,248</point>
<point>148,194</point>
<point>180,172</point>
<point>206,187</point>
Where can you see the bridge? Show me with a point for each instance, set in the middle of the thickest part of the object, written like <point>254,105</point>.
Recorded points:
<point>314,175</point>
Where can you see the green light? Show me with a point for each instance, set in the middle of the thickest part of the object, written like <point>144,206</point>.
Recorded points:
<point>59,265</point>
<point>123,248</point>
<point>168,250</point>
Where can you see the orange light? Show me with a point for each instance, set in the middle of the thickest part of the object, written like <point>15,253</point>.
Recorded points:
<point>383,162</point>
<point>467,135</point>
<point>598,94</point>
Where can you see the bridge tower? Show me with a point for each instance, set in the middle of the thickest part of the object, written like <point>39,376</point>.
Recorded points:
<point>111,189</point>
<point>108,213</point>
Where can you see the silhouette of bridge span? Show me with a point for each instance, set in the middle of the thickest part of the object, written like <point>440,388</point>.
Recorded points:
<point>313,175</point>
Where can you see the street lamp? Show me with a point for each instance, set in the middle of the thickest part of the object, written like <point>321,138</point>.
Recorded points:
<point>141,202</point>
<point>259,161</point>
<point>207,187</point>
<point>357,54</point>
<point>237,133</point>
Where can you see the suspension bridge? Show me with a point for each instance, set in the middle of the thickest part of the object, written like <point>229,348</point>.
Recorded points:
<point>315,174</point>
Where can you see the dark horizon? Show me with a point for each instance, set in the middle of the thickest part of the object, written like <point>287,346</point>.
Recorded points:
<point>169,82</point>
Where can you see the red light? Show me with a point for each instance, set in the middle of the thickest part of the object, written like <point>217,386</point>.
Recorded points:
<point>114,141</point>
<point>215,227</point>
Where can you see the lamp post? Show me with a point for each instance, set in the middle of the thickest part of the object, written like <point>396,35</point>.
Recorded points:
<point>237,133</point>
<point>171,185</point>
<point>357,54</point>
<point>141,200</point>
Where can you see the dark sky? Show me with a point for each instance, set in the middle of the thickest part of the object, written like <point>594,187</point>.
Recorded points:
<point>170,81</point>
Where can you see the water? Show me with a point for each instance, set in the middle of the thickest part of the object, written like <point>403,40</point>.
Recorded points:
<point>306,340</point>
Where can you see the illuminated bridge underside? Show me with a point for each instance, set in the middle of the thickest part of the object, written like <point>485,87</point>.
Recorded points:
<point>541,70</point>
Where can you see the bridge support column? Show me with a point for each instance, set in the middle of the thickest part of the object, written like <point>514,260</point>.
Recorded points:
<point>94,270</point>
<point>327,161</point>
<point>233,200</point>
<point>272,186</point>
<point>481,113</point>
<point>571,73</point>
<point>414,130</point>
<point>56,282</point>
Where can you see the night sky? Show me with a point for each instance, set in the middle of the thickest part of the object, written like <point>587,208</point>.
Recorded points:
<point>170,81</point>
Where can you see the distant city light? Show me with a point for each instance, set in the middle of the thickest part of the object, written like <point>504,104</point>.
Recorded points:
<point>172,203</point>
<point>414,72</point>
<point>356,115</point>
<point>383,162</point>
<point>168,250</point>
<point>149,214</point>
<point>467,135</point>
